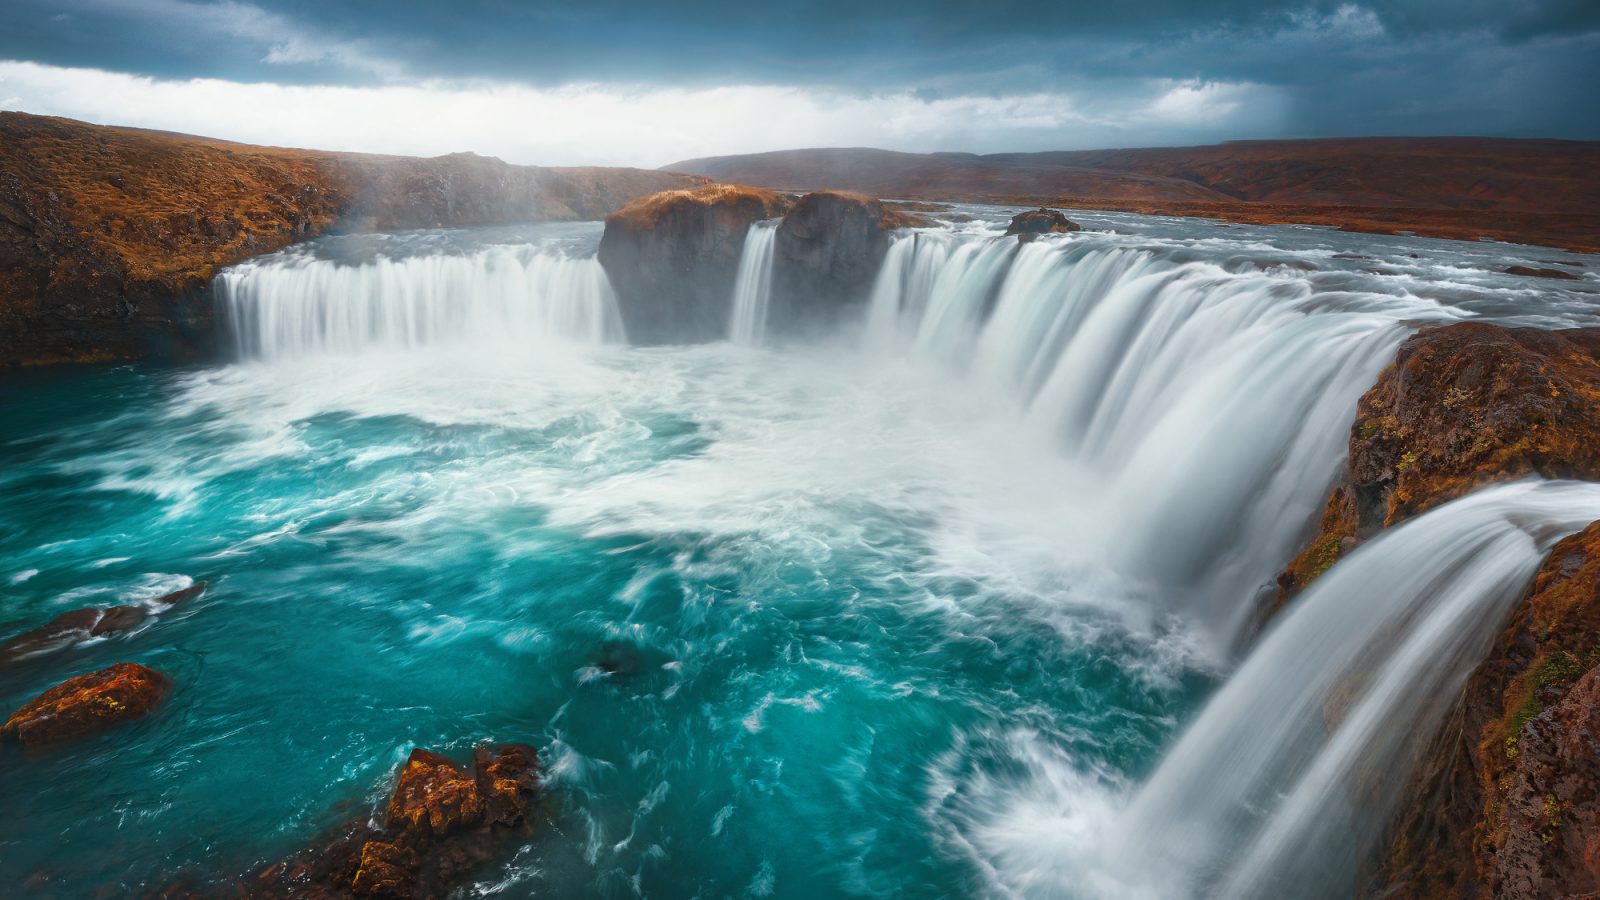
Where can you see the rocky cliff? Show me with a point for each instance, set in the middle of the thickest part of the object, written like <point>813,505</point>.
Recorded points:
<point>673,257</point>
<point>1504,803</point>
<point>109,237</point>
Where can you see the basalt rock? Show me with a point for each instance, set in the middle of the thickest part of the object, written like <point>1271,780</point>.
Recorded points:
<point>80,625</point>
<point>440,823</point>
<point>672,258</point>
<point>87,705</point>
<point>1506,803</point>
<point>827,253</point>
<point>1462,406</point>
<point>1028,225</point>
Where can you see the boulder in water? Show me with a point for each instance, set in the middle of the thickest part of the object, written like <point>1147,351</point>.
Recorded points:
<point>440,822</point>
<point>672,258</point>
<point>827,253</point>
<point>86,705</point>
<point>80,625</point>
<point>1028,225</point>
<point>1531,272</point>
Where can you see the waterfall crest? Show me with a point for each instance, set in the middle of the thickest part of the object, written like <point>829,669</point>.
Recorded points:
<point>752,289</point>
<point>294,303</point>
<point>1215,402</point>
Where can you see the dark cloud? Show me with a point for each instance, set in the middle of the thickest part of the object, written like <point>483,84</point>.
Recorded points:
<point>1386,66</point>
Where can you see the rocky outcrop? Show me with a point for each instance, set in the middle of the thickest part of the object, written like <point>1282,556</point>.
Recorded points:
<point>109,237</point>
<point>1507,801</point>
<point>827,253</point>
<point>1462,406</point>
<point>87,705</point>
<point>441,821</point>
<point>1028,225</point>
<point>672,259</point>
<point>80,625</point>
<point>1503,803</point>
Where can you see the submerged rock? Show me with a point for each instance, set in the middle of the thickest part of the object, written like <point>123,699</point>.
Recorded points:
<point>1531,272</point>
<point>86,705</point>
<point>827,253</point>
<point>440,822</point>
<point>1462,406</point>
<point>1027,225</point>
<point>80,625</point>
<point>672,259</point>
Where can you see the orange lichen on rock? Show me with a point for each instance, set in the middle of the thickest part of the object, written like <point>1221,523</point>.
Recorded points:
<point>1462,406</point>
<point>439,823</point>
<point>1505,801</point>
<point>651,211</point>
<point>86,705</point>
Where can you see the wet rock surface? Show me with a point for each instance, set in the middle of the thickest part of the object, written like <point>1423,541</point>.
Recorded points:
<point>1034,222</point>
<point>87,705</point>
<point>673,257</point>
<point>441,822</point>
<point>1532,272</point>
<point>827,253</point>
<point>80,625</point>
<point>1462,406</point>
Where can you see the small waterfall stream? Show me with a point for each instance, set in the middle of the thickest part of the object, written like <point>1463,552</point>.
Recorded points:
<point>752,289</point>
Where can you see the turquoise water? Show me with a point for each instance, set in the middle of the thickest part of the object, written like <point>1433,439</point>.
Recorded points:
<point>820,629</point>
<point>912,613</point>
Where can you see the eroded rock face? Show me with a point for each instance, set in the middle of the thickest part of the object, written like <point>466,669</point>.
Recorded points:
<point>441,821</point>
<point>672,259</point>
<point>827,253</point>
<point>87,705</point>
<point>1505,802</point>
<point>1034,222</point>
<point>1462,406</point>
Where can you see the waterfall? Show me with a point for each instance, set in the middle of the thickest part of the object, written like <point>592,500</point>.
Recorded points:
<point>1280,784</point>
<point>293,303</point>
<point>1215,403</point>
<point>752,290</point>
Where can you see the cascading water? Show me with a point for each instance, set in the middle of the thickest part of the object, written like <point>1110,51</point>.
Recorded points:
<point>1214,402</point>
<point>1284,780</point>
<point>908,614</point>
<point>293,302</point>
<point>752,288</point>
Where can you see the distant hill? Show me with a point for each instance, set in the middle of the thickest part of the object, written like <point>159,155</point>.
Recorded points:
<point>1533,191</point>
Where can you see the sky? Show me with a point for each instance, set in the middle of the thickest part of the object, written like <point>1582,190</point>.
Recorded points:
<point>605,82</point>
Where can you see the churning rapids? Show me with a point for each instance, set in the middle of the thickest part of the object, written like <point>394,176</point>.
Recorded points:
<point>956,602</point>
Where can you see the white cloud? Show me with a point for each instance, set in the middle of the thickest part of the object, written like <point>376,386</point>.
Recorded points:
<point>617,125</point>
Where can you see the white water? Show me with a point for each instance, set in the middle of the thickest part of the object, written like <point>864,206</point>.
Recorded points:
<point>1279,784</point>
<point>1179,411</point>
<point>1213,403</point>
<point>293,303</point>
<point>752,289</point>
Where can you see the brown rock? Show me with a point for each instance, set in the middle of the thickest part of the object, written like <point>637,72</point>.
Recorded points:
<point>1462,406</point>
<point>827,253</point>
<point>385,871</point>
<point>434,798</point>
<point>1028,225</point>
<point>82,624</point>
<point>672,258</point>
<point>1532,272</point>
<point>86,705</point>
